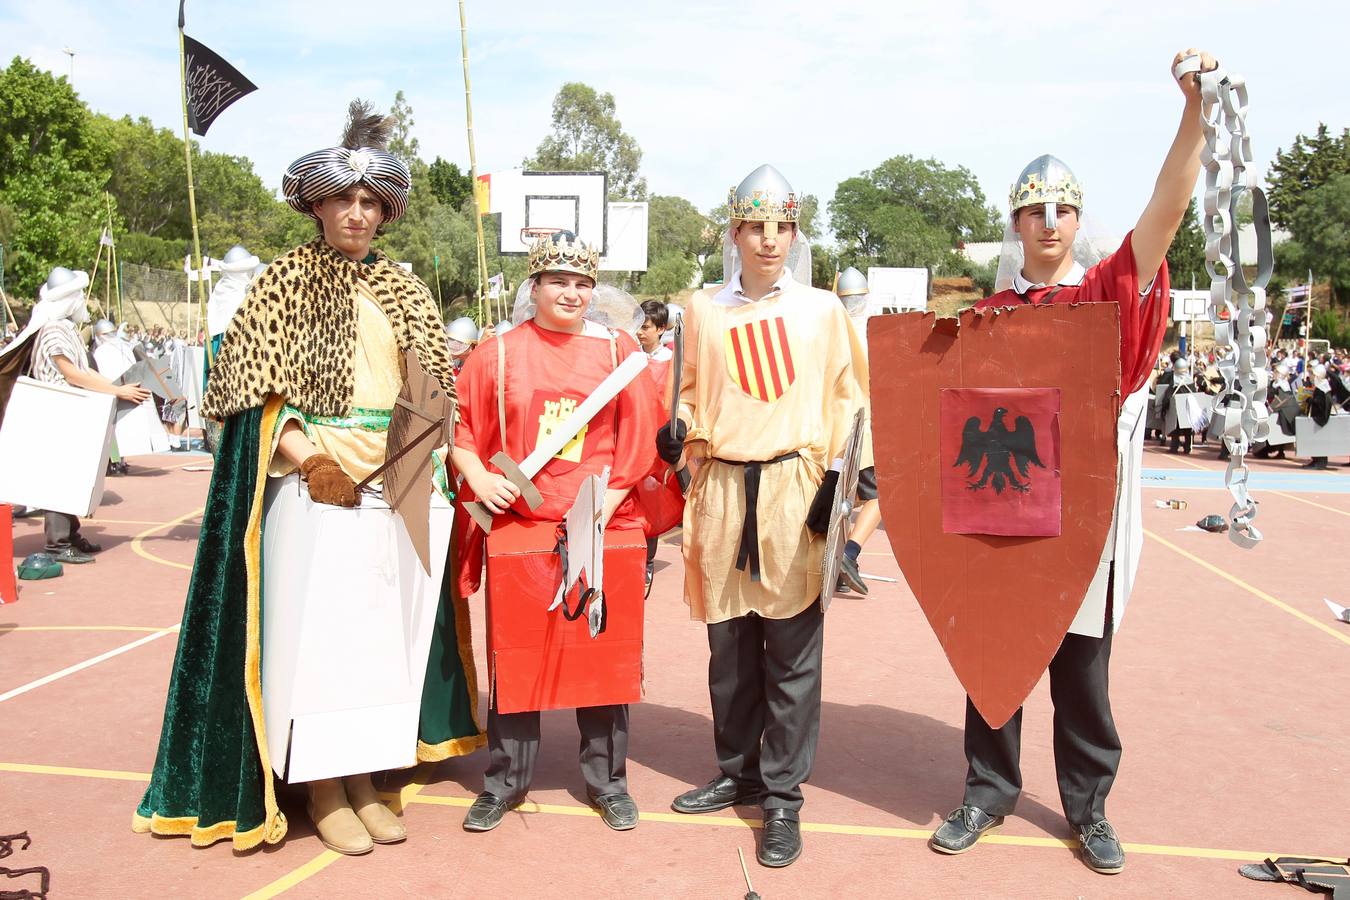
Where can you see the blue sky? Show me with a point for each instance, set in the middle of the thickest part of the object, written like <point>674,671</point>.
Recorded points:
<point>711,90</point>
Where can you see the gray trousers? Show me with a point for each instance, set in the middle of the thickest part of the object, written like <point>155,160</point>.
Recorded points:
<point>764,681</point>
<point>513,746</point>
<point>1087,747</point>
<point>58,528</point>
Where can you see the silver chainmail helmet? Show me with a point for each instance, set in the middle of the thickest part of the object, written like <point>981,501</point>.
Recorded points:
<point>1046,181</point>
<point>463,334</point>
<point>853,291</point>
<point>765,196</point>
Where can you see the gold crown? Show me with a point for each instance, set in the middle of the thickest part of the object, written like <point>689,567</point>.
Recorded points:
<point>564,252</point>
<point>763,206</point>
<point>1035,189</point>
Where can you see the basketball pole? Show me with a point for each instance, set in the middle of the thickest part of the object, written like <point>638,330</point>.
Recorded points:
<point>473,165</point>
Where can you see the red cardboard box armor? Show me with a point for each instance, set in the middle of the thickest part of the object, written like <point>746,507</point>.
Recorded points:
<point>537,659</point>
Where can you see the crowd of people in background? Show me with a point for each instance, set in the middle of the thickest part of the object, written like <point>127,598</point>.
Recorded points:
<point>1310,384</point>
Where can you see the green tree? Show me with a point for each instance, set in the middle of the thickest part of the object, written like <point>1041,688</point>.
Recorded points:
<point>401,141</point>
<point>587,136</point>
<point>451,186</point>
<point>1186,256</point>
<point>910,212</point>
<point>58,214</point>
<point>1309,163</point>
<point>668,274</point>
<point>674,226</point>
<point>147,175</point>
<point>39,114</point>
<point>1321,225</point>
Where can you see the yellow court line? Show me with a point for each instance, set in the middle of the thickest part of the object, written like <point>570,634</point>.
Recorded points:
<point>918,834</point>
<point>328,857</point>
<point>411,794</point>
<point>107,774</point>
<point>1339,512</point>
<point>138,540</point>
<point>1254,591</point>
<point>6,629</point>
<point>291,879</point>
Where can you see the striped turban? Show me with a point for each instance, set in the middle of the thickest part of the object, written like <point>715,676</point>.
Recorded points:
<point>324,173</point>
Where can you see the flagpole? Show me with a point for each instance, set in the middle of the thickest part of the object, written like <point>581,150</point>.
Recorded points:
<point>192,194</point>
<point>473,164</point>
<point>1307,324</point>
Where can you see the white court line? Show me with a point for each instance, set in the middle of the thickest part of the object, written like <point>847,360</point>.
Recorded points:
<point>71,670</point>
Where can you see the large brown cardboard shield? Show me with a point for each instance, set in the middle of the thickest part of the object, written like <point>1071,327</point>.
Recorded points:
<point>1000,602</point>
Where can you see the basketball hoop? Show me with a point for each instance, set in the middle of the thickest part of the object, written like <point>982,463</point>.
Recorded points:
<point>529,235</point>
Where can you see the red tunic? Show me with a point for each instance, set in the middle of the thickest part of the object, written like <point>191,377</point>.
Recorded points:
<point>1143,320</point>
<point>547,374</point>
<point>659,492</point>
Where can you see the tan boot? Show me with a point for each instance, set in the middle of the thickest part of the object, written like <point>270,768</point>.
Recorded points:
<point>381,824</point>
<point>339,828</point>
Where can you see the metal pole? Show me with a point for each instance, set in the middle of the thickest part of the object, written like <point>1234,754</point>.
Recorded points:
<point>192,195</point>
<point>473,163</point>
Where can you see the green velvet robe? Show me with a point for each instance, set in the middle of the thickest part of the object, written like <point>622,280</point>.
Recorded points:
<point>212,778</point>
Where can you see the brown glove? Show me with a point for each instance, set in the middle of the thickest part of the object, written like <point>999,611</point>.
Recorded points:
<point>328,483</point>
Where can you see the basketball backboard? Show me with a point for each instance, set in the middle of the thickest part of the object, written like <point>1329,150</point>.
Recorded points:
<point>569,201</point>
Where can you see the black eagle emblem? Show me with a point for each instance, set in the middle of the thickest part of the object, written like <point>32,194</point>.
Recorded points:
<point>997,449</point>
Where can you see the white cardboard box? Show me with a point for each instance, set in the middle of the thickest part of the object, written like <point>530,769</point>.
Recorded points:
<point>347,620</point>
<point>1332,439</point>
<point>54,447</point>
<point>139,431</point>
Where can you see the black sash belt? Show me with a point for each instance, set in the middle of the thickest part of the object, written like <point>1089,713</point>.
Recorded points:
<point>748,552</point>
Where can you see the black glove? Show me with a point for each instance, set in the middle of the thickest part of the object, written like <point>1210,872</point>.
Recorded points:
<point>818,519</point>
<point>669,448</point>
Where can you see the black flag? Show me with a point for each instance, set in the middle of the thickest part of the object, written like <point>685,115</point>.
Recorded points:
<point>212,85</point>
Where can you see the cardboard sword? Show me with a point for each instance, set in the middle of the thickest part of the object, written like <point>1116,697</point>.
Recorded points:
<point>582,546</point>
<point>522,474</point>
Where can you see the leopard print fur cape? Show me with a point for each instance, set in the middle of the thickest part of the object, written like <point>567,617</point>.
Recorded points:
<point>295,333</point>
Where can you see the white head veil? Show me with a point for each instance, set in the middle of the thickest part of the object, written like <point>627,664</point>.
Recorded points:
<point>236,273</point>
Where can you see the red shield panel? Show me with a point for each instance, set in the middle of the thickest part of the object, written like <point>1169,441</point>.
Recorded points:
<point>999,603</point>
<point>1001,450</point>
<point>759,358</point>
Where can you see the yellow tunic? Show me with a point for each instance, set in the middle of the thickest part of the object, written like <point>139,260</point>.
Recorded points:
<point>379,378</point>
<point>780,375</point>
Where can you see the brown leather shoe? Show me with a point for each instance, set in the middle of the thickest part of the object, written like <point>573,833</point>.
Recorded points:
<point>338,827</point>
<point>379,820</point>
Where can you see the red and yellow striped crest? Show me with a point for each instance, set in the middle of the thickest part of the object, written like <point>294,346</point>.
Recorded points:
<point>759,358</point>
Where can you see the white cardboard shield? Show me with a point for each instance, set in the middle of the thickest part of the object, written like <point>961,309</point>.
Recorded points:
<point>1332,439</point>
<point>347,620</point>
<point>54,447</point>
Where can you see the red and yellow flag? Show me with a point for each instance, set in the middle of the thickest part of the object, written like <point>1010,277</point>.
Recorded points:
<point>759,358</point>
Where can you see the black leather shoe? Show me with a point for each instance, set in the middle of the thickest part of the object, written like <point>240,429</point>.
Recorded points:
<point>962,829</point>
<point>1101,848</point>
<point>71,555</point>
<point>618,810</point>
<point>717,794</point>
<point>780,842</point>
<point>487,812</point>
<point>84,545</point>
<point>849,574</point>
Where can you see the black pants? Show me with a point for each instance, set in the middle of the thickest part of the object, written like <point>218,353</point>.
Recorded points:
<point>513,746</point>
<point>764,680</point>
<point>1087,748</point>
<point>58,529</point>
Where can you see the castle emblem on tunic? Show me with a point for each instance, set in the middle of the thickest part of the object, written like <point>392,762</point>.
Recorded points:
<point>556,412</point>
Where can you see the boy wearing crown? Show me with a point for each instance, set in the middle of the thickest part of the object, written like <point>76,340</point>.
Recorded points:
<point>512,390</point>
<point>773,375</point>
<point>306,380</point>
<point>1046,204</point>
